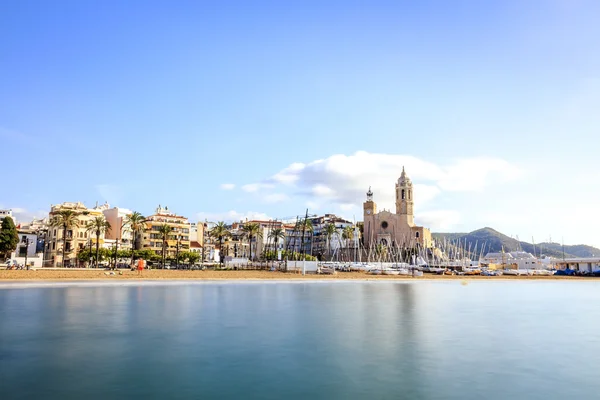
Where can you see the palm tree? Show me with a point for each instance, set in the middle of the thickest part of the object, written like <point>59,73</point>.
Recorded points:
<point>136,222</point>
<point>65,219</point>
<point>348,235</point>
<point>164,231</point>
<point>99,225</point>
<point>330,229</point>
<point>276,234</point>
<point>220,232</point>
<point>252,230</point>
<point>310,229</point>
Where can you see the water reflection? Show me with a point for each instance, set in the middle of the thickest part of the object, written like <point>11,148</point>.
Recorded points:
<point>295,341</point>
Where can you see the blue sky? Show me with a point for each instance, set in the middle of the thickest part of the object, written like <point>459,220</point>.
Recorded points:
<point>492,107</point>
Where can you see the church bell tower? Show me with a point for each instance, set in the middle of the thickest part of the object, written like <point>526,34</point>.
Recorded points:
<point>369,206</point>
<point>404,198</point>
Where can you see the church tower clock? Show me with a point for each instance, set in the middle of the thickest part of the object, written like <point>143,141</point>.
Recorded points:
<point>404,198</point>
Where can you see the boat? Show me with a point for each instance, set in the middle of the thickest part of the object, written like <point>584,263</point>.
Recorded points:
<point>390,271</point>
<point>513,272</point>
<point>327,270</point>
<point>473,271</point>
<point>416,272</point>
<point>543,272</point>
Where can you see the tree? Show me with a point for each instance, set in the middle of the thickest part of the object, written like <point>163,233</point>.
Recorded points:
<point>65,219</point>
<point>348,235</point>
<point>9,237</point>
<point>164,230</point>
<point>309,229</point>
<point>330,229</point>
<point>137,223</point>
<point>220,232</point>
<point>192,257</point>
<point>252,230</point>
<point>98,226</point>
<point>276,234</point>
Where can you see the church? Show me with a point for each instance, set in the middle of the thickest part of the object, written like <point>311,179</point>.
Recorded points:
<point>394,230</point>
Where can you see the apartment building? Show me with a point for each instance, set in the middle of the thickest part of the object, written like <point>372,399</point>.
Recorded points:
<point>77,237</point>
<point>178,238</point>
<point>119,232</point>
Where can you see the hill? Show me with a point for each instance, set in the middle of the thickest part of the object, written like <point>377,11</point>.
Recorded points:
<point>490,240</point>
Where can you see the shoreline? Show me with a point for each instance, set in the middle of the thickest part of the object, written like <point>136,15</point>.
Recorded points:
<point>53,278</point>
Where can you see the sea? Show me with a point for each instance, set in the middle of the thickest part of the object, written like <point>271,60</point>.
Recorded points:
<point>300,340</point>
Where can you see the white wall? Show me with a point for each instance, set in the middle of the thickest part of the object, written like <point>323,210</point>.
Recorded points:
<point>308,266</point>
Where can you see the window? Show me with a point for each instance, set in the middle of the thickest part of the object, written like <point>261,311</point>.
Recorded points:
<point>403,194</point>
<point>22,251</point>
<point>53,245</point>
<point>384,224</point>
<point>417,235</point>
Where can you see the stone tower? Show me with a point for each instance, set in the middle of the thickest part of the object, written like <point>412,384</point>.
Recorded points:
<point>404,199</point>
<point>369,206</point>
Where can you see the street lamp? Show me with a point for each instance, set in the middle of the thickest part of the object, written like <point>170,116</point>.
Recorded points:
<point>177,251</point>
<point>26,241</point>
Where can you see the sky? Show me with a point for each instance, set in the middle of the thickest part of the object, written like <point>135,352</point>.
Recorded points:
<point>225,110</point>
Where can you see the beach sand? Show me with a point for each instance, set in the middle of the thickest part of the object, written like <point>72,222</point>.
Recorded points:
<point>92,274</point>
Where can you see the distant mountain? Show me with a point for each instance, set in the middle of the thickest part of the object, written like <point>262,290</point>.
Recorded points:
<point>490,240</point>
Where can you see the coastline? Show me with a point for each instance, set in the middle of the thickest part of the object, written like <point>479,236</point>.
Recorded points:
<point>9,278</point>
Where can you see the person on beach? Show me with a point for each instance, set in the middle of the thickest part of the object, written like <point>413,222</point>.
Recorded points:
<point>140,266</point>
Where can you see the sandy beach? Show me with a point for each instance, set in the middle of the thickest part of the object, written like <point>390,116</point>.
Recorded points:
<point>93,274</point>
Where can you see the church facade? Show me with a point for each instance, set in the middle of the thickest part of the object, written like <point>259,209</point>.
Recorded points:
<point>394,230</point>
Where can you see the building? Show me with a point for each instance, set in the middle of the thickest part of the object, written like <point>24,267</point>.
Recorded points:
<point>27,253</point>
<point>77,237</point>
<point>324,247</point>
<point>39,226</point>
<point>177,240</point>
<point>119,233</point>
<point>512,260</point>
<point>197,232</point>
<point>584,264</point>
<point>394,229</point>
<point>6,213</point>
<point>236,245</point>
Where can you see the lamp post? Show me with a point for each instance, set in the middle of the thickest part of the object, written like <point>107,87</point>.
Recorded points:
<point>177,251</point>
<point>27,242</point>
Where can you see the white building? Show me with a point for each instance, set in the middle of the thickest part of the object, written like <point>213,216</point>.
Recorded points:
<point>26,250</point>
<point>584,264</point>
<point>117,218</point>
<point>521,259</point>
<point>6,213</point>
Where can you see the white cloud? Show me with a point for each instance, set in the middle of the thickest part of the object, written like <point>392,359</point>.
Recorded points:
<point>474,174</point>
<point>321,190</point>
<point>22,215</point>
<point>439,220</point>
<point>288,175</point>
<point>347,207</point>
<point>255,187</point>
<point>344,179</point>
<point>231,216</point>
<point>276,198</point>
<point>227,186</point>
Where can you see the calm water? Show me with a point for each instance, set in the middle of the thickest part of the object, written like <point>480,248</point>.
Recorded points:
<point>420,340</point>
